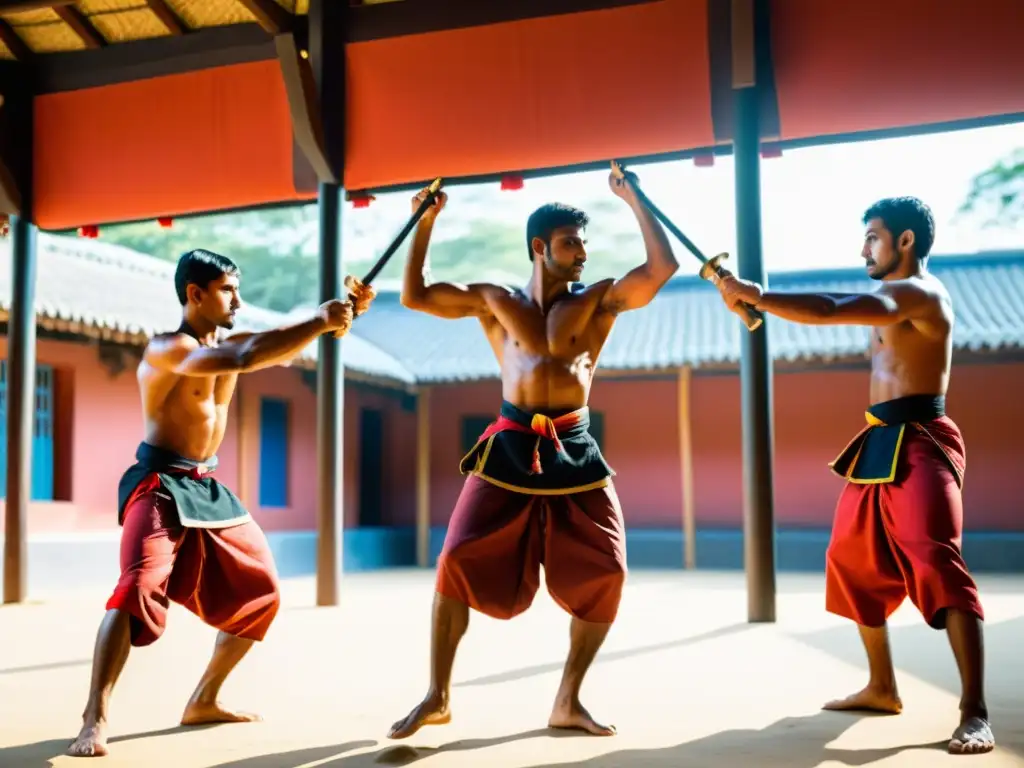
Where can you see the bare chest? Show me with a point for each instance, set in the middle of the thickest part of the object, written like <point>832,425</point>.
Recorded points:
<point>565,330</point>
<point>208,392</point>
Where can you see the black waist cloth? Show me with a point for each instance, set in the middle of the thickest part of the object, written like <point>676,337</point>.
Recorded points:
<point>202,501</point>
<point>873,454</point>
<point>519,452</point>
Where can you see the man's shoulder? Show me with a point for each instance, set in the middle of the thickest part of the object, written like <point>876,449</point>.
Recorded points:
<point>598,288</point>
<point>919,288</point>
<point>171,343</point>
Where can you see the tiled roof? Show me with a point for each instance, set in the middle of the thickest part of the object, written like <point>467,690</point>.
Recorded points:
<point>105,291</point>
<point>688,325</point>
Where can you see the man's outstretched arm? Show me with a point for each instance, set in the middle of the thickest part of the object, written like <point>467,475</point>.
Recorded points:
<point>891,303</point>
<point>447,300</point>
<point>245,353</point>
<point>638,287</point>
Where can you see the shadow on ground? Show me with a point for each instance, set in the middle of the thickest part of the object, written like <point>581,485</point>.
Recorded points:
<point>604,658</point>
<point>923,652</point>
<point>796,742</point>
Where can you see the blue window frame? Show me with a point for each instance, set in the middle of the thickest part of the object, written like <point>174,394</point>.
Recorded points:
<point>273,452</point>
<point>42,433</point>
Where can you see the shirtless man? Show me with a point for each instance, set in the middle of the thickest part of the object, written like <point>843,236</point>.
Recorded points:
<point>899,521</point>
<point>185,536</point>
<point>538,490</point>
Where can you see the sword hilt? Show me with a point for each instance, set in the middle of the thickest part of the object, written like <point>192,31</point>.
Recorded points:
<point>432,190</point>
<point>713,271</point>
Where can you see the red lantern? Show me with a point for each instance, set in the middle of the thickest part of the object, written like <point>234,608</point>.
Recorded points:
<point>165,222</point>
<point>511,181</point>
<point>89,230</point>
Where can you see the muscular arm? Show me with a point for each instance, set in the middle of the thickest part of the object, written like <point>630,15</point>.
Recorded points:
<point>638,287</point>
<point>892,303</point>
<point>447,300</point>
<point>243,353</point>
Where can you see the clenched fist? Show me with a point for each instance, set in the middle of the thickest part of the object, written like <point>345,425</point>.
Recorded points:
<point>435,208</point>
<point>361,295</point>
<point>337,316</point>
<point>736,291</point>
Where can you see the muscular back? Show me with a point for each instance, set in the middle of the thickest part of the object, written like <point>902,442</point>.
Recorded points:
<point>547,359</point>
<point>183,413</point>
<point>913,356</point>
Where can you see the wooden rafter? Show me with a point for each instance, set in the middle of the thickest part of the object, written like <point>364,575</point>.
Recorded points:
<point>271,16</point>
<point>14,44</point>
<point>75,19</point>
<point>167,17</point>
<point>304,103</point>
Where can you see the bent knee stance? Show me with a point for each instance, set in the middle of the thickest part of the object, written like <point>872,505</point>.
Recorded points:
<point>142,595</point>
<point>496,593</point>
<point>593,597</point>
<point>251,616</point>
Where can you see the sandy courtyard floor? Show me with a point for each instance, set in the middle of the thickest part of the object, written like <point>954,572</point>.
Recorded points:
<point>687,682</point>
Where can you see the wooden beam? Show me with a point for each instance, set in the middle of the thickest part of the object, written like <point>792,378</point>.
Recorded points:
<point>75,19</point>
<point>272,17</point>
<point>423,478</point>
<point>156,57</point>
<point>686,470</point>
<point>16,133</point>
<point>327,19</point>
<point>167,17</point>
<point>743,67</point>
<point>15,138</point>
<point>14,43</point>
<point>20,6</point>
<point>740,55</point>
<point>755,358</point>
<point>381,20</point>
<point>304,104</point>
<point>21,366</point>
<point>10,195</point>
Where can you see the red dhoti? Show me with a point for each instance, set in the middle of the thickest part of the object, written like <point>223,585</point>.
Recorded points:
<point>898,533</point>
<point>225,576</point>
<point>512,517</point>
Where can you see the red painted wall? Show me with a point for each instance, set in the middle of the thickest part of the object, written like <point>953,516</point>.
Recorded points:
<point>99,425</point>
<point>816,413</point>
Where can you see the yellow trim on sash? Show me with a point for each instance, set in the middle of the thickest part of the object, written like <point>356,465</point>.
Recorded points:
<point>892,469</point>
<point>543,491</point>
<point>873,421</point>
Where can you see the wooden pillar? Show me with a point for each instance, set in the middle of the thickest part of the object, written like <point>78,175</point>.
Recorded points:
<point>330,404</point>
<point>21,367</point>
<point>686,470</point>
<point>323,104</point>
<point>423,477</point>
<point>16,201</point>
<point>755,361</point>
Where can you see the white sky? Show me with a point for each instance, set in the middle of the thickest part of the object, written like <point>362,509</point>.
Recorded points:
<point>812,199</point>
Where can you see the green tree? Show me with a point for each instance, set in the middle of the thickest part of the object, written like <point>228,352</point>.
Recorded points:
<point>997,193</point>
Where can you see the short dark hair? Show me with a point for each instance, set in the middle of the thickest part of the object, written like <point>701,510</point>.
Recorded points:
<point>200,266</point>
<point>548,218</point>
<point>902,213</point>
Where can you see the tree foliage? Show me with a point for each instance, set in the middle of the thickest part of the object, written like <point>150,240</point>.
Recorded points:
<point>276,248</point>
<point>997,193</point>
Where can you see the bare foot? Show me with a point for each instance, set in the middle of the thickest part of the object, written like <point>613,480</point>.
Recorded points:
<point>197,713</point>
<point>973,737</point>
<point>91,741</point>
<point>571,714</point>
<point>433,710</point>
<point>869,700</point>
